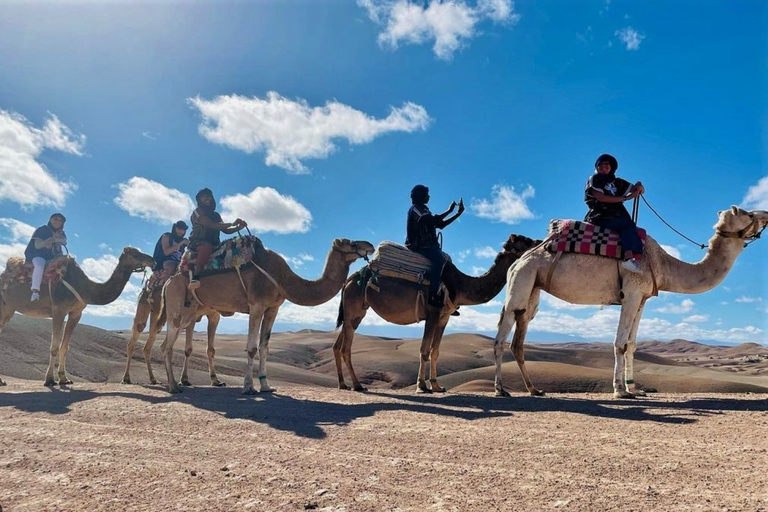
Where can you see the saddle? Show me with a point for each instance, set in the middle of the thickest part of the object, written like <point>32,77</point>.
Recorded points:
<point>17,270</point>
<point>231,254</point>
<point>397,261</point>
<point>581,237</point>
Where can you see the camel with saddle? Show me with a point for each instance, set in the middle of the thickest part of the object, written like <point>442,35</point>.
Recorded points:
<point>65,293</point>
<point>394,285</point>
<point>593,279</point>
<point>255,281</point>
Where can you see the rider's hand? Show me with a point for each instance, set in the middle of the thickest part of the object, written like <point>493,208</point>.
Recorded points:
<point>461,205</point>
<point>452,207</point>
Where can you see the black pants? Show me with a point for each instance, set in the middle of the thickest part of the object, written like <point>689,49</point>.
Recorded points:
<point>435,256</point>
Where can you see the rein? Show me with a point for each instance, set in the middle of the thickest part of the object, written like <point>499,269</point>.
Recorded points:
<point>701,246</point>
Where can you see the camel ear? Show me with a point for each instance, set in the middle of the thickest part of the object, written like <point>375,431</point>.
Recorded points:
<point>735,210</point>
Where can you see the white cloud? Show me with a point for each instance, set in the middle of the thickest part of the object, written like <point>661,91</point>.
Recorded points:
<point>153,201</point>
<point>757,196</point>
<point>685,306</point>
<point>265,209</point>
<point>672,251</point>
<point>450,24</point>
<point>291,131</point>
<point>485,252</point>
<point>100,269</point>
<point>23,179</point>
<point>119,308</point>
<point>630,37</point>
<point>19,231</point>
<point>745,299</point>
<point>10,250</point>
<point>462,255</point>
<point>297,261</point>
<point>477,271</point>
<point>505,205</point>
<point>696,319</point>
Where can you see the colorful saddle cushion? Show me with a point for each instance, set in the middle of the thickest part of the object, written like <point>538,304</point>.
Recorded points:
<point>585,238</point>
<point>18,270</point>
<point>230,254</point>
<point>395,260</point>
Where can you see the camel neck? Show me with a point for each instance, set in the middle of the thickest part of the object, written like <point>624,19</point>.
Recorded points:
<point>479,290</point>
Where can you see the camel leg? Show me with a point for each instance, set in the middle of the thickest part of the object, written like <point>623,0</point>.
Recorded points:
<point>430,328</point>
<point>213,323</point>
<point>338,346</point>
<point>630,307</point>
<point>518,340</point>
<point>266,332</point>
<point>506,322</point>
<point>139,322</point>
<point>57,325</point>
<point>629,355</point>
<point>347,354</point>
<point>189,332</point>
<point>255,315</point>
<point>171,334</point>
<point>72,320</point>
<point>434,353</point>
<point>5,315</point>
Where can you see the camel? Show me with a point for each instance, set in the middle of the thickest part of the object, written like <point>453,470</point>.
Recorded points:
<point>64,302</point>
<point>149,307</point>
<point>398,301</point>
<point>597,280</point>
<point>259,289</point>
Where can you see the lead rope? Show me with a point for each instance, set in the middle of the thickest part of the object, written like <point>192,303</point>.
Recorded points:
<point>701,246</point>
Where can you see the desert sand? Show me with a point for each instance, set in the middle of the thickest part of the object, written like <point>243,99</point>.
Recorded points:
<point>699,443</point>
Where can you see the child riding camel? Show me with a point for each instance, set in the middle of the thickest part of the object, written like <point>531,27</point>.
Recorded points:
<point>46,244</point>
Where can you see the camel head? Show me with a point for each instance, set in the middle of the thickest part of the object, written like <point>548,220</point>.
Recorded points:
<point>353,249</point>
<point>135,260</point>
<point>516,245</point>
<point>739,223</point>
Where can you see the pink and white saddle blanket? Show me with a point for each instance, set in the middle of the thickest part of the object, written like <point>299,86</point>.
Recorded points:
<point>19,271</point>
<point>154,282</point>
<point>230,254</point>
<point>395,260</point>
<point>585,238</point>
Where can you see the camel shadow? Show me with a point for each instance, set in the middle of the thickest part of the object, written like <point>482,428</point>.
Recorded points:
<point>642,409</point>
<point>304,418</point>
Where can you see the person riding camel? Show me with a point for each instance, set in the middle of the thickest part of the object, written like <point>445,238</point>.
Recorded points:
<point>421,237</point>
<point>46,244</point>
<point>207,226</point>
<point>169,249</point>
<point>604,194</point>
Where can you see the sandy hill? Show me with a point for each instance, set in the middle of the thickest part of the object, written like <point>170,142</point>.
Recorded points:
<point>466,362</point>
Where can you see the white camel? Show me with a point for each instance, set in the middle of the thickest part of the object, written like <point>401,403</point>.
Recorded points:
<point>589,279</point>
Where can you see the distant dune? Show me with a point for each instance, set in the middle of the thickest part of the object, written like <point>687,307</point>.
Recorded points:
<point>305,357</point>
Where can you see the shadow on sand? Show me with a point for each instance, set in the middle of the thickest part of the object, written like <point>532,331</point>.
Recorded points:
<point>306,418</point>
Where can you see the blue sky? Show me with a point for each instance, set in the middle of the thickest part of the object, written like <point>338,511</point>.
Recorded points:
<point>313,119</point>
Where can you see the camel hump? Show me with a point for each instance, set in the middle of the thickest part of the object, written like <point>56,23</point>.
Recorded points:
<point>567,235</point>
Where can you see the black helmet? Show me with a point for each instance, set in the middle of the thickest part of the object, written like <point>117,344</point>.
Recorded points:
<point>59,215</point>
<point>180,224</point>
<point>419,192</point>
<point>605,157</point>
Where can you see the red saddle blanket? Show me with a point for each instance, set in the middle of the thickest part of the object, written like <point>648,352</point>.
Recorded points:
<point>232,253</point>
<point>17,270</point>
<point>585,238</point>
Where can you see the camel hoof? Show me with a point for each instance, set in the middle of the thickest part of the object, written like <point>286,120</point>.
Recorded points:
<point>218,384</point>
<point>175,389</point>
<point>267,389</point>
<point>249,391</point>
<point>3,383</point>
<point>502,392</point>
<point>127,380</point>
<point>49,383</point>
<point>343,386</point>
<point>185,382</point>
<point>153,381</point>
<point>536,392</point>
<point>623,394</point>
<point>361,388</point>
<point>422,388</point>
<point>640,392</point>
<point>437,388</point>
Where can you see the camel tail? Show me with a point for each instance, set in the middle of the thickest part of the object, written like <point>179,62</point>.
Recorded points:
<point>340,319</point>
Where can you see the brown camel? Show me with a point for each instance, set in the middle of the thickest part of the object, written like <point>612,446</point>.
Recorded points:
<point>398,302</point>
<point>589,279</point>
<point>62,302</point>
<point>259,290</point>
<point>149,307</point>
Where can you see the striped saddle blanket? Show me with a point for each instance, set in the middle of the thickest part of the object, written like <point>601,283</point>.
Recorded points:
<point>395,260</point>
<point>18,270</point>
<point>232,253</point>
<point>585,238</point>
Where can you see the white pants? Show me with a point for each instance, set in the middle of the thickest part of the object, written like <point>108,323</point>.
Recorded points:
<point>37,273</point>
